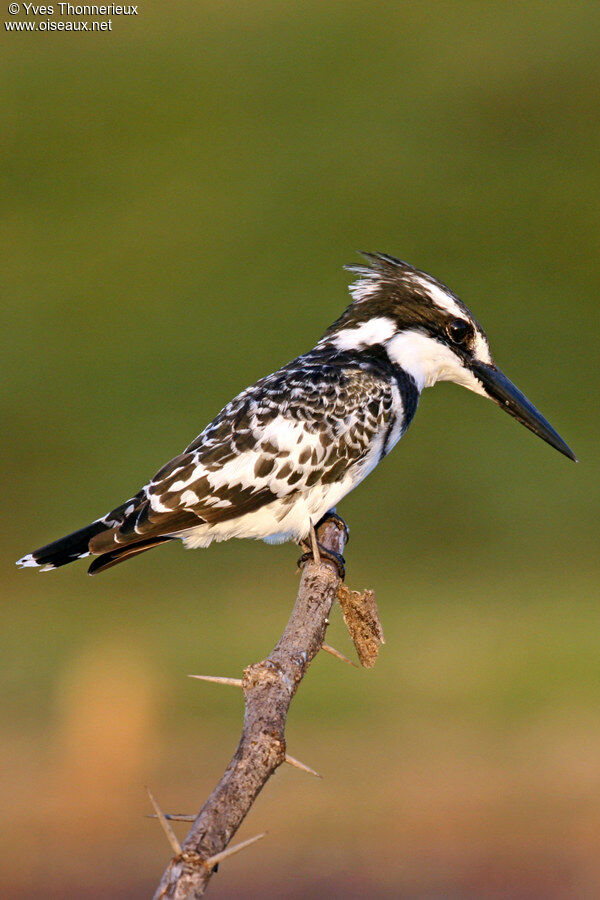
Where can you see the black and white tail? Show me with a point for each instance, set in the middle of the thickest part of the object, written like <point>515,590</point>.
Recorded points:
<point>102,539</point>
<point>65,550</point>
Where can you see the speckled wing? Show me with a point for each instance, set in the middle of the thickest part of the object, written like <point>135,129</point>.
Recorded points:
<point>306,423</point>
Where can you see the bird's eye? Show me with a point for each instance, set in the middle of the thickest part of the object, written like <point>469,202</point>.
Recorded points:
<point>458,331</point>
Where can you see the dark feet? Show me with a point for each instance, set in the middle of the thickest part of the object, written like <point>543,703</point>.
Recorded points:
<point>330,555</point>
<point>337,519</point>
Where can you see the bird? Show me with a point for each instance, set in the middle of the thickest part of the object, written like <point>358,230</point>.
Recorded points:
<point>282,454</point>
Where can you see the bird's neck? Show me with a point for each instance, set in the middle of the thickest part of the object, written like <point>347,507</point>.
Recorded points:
<point>424,359</point>
<point>416,354</point>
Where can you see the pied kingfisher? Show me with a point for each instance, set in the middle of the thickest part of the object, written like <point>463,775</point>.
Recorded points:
<point>285,451</point>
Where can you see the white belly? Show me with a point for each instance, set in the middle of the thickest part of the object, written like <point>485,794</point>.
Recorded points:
<point>275,522</point>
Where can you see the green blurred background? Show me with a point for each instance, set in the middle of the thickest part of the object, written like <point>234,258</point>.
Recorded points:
<point>179,196</point>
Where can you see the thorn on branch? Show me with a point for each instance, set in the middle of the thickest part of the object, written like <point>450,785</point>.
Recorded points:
<point>315,545</point>
<point>338,655</point>
<point>173,817</point>
<point>301,765</point>
<point>219,679</point>
<point>170,834</point>
<point>213,861</point>
<point>362,620</point>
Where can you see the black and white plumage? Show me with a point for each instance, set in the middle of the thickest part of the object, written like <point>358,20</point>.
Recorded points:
<point>290,447</point>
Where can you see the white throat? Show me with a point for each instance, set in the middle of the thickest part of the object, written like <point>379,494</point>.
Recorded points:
<point>428,361</point>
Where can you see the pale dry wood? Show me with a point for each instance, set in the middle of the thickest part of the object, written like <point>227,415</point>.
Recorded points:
<point>219,679</point>
<point>292,761</point>
<point>174,817</point>
<point>231,851</point>
<point>165,825</point>
<point>269,687</point>
<point>328,649</point>
<point>362,621</point>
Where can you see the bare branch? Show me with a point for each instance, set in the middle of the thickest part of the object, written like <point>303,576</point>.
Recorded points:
<point>269,687</point>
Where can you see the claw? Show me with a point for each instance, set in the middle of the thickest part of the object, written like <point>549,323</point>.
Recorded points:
<point>332,514</point>
<point>328,555</point>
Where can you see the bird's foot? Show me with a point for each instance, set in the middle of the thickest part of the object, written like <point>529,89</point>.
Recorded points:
<point>316,551</point>
<point>338,521</point>
<point>330,555</point>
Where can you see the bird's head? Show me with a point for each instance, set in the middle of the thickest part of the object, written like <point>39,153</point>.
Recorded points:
<point>427,331</point>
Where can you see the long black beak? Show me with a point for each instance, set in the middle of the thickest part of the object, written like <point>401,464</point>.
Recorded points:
<point>510,398</point>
